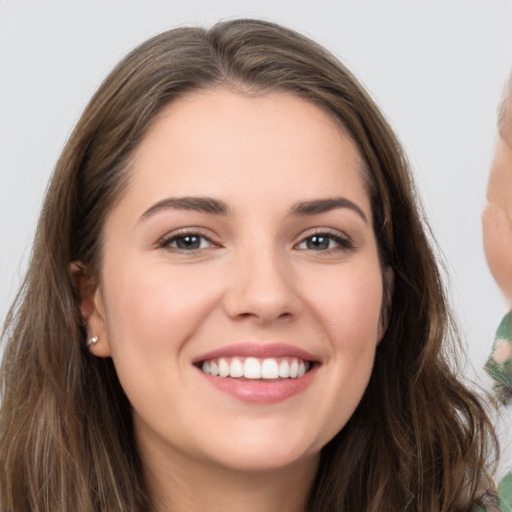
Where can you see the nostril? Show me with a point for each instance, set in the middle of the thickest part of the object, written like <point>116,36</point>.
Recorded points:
<point>261,294</point>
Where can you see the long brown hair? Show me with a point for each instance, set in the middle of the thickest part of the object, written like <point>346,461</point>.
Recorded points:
<point>417,441</point>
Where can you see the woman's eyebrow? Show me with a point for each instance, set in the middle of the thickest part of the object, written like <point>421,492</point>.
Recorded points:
<point>317,206</point>
<point>198,204</point>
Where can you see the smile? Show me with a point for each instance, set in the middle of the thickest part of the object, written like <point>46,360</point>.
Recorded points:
<point>259,373</point>
<point>269,368</point>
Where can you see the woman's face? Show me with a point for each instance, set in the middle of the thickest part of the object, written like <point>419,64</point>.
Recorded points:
<point>243,245</point>
<point>497,218</point>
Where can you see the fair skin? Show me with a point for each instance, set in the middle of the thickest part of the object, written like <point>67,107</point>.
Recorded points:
<point>245,233</point>
<point>497,218</point>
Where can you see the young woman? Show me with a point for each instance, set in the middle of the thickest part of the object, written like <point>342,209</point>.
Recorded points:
<point>232,303</point>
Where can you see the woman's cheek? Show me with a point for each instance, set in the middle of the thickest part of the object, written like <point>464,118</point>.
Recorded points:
<point>152,306</point>
<point>350,301</point>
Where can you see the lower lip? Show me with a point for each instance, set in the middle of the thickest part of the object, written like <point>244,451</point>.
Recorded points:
<point>261,391</point>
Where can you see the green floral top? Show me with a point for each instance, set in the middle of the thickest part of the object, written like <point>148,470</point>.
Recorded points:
<point>499,367</point>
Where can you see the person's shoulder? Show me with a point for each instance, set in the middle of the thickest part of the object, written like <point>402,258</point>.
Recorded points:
<point>505,493</point>
<point>489,502</point>
<point>499,364</point>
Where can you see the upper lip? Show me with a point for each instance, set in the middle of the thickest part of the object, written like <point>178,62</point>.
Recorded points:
<point>258,350</point>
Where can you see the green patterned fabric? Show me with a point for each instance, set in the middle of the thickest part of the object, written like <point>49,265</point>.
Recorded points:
<point>505,493</point>
<point>499,367</point>
<point>499,364</point>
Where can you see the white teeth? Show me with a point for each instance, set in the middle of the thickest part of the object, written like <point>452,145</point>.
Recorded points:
<point>253,368</point>
<point>269,369</point>
<point>236,369</point>
<point>223,368</point>
<point>294,369</point>
<point>284,369</point>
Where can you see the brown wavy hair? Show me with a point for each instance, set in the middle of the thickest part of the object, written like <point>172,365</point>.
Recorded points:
<point>418,439</point>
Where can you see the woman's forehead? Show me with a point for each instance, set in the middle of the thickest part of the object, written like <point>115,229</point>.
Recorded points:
<point>205,140</point>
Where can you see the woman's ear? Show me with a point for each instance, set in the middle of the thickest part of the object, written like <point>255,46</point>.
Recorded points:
<point>388,278</point>
<point>92,309</point>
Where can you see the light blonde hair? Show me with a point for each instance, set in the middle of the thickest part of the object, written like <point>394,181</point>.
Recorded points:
<point>418,439</point>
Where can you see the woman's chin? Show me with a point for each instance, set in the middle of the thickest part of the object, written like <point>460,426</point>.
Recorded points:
<point>254,462</point>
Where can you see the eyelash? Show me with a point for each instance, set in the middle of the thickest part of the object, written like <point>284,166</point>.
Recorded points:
<point>167,241</point>
<point>342,243</point>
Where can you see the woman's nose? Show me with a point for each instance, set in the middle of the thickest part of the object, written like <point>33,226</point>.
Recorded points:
<point>262,287</point>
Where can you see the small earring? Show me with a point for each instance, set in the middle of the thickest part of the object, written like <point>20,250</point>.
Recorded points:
<point>92,341</point>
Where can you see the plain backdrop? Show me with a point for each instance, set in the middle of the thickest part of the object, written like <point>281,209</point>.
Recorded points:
<point>435,67</point>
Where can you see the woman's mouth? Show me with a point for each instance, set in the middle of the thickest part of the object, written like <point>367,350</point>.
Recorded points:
<point>262,374</point>
<point>269,368</point>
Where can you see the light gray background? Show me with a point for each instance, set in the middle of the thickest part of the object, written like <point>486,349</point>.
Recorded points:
<point>435,67</point>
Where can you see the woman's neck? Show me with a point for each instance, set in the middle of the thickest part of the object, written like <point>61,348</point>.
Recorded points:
<point>195,486</point>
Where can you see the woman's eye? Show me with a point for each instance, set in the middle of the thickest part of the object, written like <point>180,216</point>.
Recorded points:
<point>324,242</point>
<point>187,242</point>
